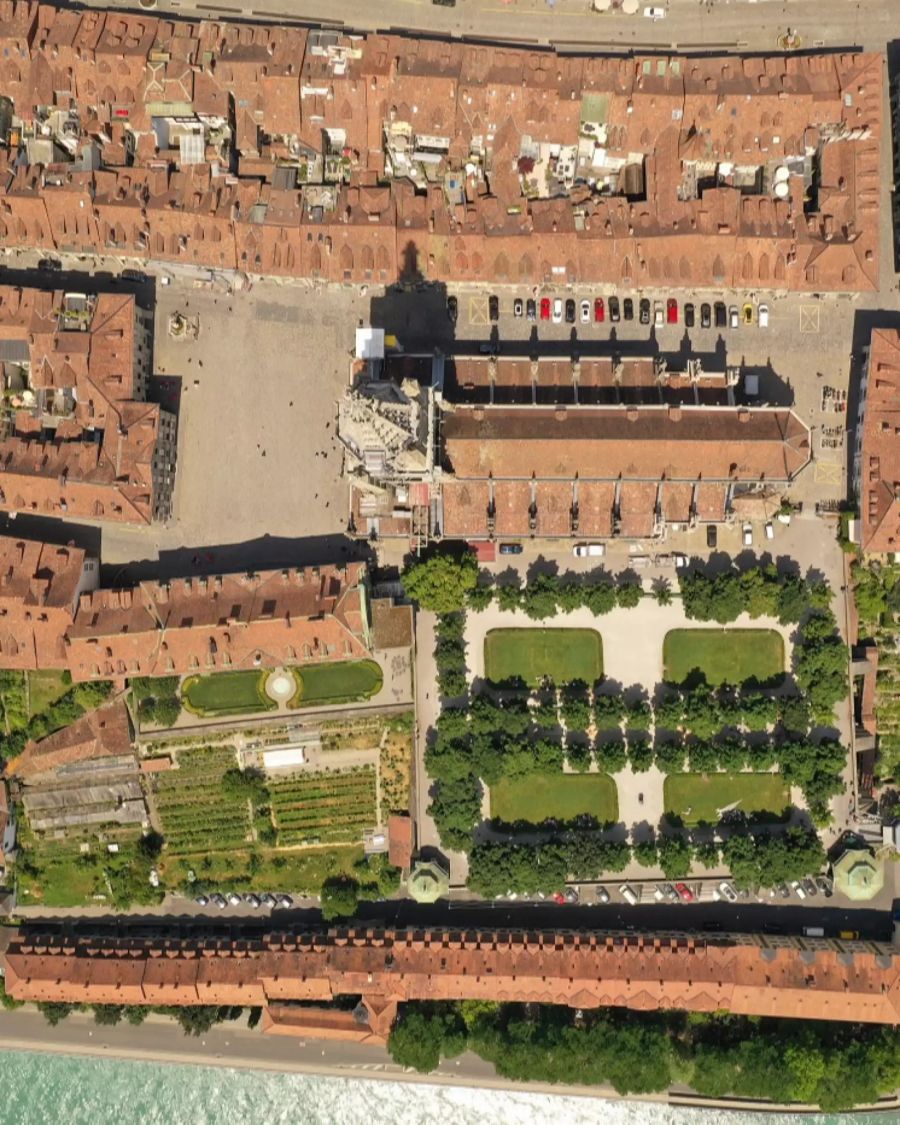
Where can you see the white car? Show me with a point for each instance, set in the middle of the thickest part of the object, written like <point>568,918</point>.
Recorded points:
<point>628,894</point>
<point>655,13</point>
<point>770,530</point>
<point>733,316</point>
<point>659,315</point>
<point>763,316</point>
<point>589,550</point>
<point>585,312</point>
<point>557,310</point>
<point>797,889</point>
<point>728,891</point>
<point>747,534</point>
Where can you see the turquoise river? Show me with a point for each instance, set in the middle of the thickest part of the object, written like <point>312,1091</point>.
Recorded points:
<point>45,1089</point>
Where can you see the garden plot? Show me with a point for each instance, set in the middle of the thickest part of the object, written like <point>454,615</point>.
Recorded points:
<point>324,807</point>
<point>196,811</point>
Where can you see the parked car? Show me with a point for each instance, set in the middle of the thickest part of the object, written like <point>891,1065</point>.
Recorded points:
<point>747,314</point>
<point>599,310</point>
<point>268,900</point>
<point>658,314</point>
<point>218,900</point>
<point>252,900</point>
<point>494,308</point>
<point>762,317</point>
<point>201,900</point>
<point>589,550</point>
<point>849,935</point>
<point>644,310</point>
<point>684,892</point>
<point>784,890</point>
<point>810,887</point>
<point>689,315</point>
<point>49,265</point>
<point>813,931</point>
<point>769,530</point>
<point>614,314</point>
<point>559,898</point>
<point>653,13</point>
<point>585,312</point>
<point>747,534</point>
<point>510,548</point>
<point>530,309</point>
<point>825,885</point>
<point>728,892</point>
<point>570,311</point>
<point>712,535</point>
<point>721,314</point>
<point>557,310</point>
<point>797,889</point>
<point>545,308</point>
<point>659,894</point>
<point>628,893</point>
<point>733,318</point>
<point>572,895</point>
<point>518,308</point>
<point>602,894</point>
<point>452,309</point>
<point>670,892</point>
<point>671,311</point>
<point>705,315</point>
<point>233,899</point>
<point>285,900</point>
<point>628,308</point>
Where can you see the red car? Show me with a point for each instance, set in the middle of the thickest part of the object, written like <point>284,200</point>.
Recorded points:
<point>545,308</point>
<point>684,892</point>
<point>672,311</point>
<point>559,898</point>
<point>599,311</point>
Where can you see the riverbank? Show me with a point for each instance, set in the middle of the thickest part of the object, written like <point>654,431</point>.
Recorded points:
<point>235,1046</point>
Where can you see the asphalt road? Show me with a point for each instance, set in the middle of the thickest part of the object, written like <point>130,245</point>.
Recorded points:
<point>573,25</point>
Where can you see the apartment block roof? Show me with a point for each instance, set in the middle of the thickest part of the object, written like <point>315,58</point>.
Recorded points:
<point>879,459</point>
<point>224,622</point>
<point>697,143</point>
<point>815,979</point>
<point>80,353</point>
<point>38,587</point>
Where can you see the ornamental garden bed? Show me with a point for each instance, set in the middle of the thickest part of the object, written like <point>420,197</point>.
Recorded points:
<point>348,681</point>
<point>226,693</point>
<point>562,655</point>
<point>723,656</point>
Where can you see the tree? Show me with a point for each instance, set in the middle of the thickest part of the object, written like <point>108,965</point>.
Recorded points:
<point>509,596</point>
<point>423,1034</point>
<point>612,757</point>
<point>629,594</point>
<point>640,754</point>
<point>340,897</point>
<point>645,853</point>
<point>480,597</point>
<point>135,1014</point>
<point>599,596</point>
<point>54,1011</point>
<point>540,597</point>
<point>675,856</point>
<point>442,581</point>
<point>820,662</point>
<point>668,754</point>
<point>108,1015</point>
<point>707,855</point>
<point>639,716</point>
<point>662,591</point>
<point>200,1018</point>
<point>456,809</point>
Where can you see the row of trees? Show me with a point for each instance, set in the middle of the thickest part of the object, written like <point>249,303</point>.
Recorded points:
<point>835,1066</point>
<point>195,1019</point>
<point>754,859</point>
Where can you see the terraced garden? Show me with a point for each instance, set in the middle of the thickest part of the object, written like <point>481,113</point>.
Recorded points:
<point>196,811</point>
<point>325,807</point>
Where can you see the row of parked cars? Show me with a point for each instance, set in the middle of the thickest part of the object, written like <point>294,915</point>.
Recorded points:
<point>247,899</point>
<point>716,314</point>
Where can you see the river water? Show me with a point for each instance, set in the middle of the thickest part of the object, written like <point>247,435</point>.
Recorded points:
<point>37,1089</point>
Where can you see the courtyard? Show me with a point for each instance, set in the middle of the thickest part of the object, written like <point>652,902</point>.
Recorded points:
<point>697,798</point>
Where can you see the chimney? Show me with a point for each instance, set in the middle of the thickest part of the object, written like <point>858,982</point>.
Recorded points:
<point>632,414</point>
<point>743,415</point>
<point>674,413</point>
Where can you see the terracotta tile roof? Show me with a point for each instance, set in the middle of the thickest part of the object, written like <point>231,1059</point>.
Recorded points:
<point>104,733</point>
<point>804,977</point>
<point>223,622</point>
<point>878,484</point>
<point>400,841</point>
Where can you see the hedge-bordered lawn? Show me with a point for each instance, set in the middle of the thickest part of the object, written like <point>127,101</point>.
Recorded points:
<point>344,682</point>
<point>698,797</point>
<point>724,656</point>
<point>562,654</point>
<point>226,693</point>
<point>539,797</point>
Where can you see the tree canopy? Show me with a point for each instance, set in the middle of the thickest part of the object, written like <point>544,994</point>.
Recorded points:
<point>441,581</point>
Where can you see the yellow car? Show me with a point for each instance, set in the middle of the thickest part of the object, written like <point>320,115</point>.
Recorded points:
<point>747,315</point>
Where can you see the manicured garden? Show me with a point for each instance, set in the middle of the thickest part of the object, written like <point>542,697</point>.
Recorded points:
<point>226,693</point>
<point>561,655</point>
<point>324,807</point>
<point>697,797</point>
<point>563,797</point>
<point>723,656</point>
<point>345,682</point>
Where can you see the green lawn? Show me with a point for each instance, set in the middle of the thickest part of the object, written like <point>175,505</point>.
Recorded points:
<point>698,797</point>
<point>344,682</point>
<point>562,796</point>
<point>226,693</point>
<point>561,654</point>
<point>724,656</point>
<point>45,688</point>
